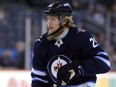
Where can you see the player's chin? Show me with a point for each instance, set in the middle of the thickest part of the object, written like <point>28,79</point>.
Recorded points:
<point>50,31</point>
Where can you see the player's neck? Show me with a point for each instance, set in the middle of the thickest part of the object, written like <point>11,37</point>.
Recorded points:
<point>63,34</point>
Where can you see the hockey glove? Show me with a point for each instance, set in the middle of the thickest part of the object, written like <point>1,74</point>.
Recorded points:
<point>68,72</point>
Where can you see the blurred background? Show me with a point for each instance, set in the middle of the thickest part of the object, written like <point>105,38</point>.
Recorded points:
<point>22,22</point>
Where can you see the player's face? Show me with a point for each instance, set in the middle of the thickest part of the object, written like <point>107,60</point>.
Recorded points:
<point>53,23</point>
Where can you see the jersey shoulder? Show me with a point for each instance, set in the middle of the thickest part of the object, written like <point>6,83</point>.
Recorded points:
<point>81,32</point>
<point>41,37</point>
<point>77,30</point>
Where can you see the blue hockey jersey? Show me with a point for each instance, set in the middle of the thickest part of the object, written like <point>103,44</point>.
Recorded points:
<point>79,45</point>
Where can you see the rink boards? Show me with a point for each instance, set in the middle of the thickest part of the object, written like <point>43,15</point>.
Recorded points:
<point>22,78</point>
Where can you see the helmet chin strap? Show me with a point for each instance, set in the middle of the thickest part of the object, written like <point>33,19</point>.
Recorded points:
<point>58,29</point>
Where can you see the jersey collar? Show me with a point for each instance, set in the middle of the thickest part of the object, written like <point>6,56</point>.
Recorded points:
<point>63,34</point>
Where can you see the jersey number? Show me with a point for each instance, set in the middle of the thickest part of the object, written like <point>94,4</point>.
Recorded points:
<point>94,42</point>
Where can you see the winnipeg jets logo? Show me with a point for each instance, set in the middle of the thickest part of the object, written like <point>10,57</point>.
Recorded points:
<point>58,65</point>
<point>59,42</point>
<point>55,63</point>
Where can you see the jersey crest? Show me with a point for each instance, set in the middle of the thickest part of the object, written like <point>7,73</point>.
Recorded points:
<point>59,42</point>
<point>55,63</point>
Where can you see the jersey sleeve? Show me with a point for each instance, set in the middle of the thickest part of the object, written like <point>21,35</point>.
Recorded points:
<point>96,60</point>
<point>38,72</point>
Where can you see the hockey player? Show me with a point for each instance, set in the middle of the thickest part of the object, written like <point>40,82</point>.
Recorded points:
<point>66,56</point>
